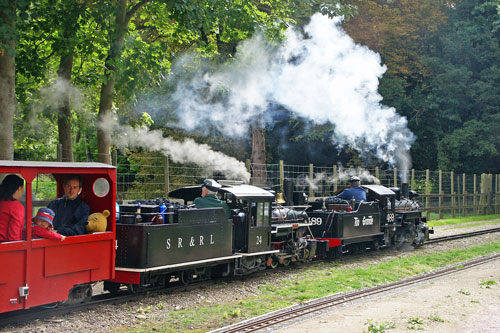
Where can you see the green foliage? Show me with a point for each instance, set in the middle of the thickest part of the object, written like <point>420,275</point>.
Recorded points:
<point>464,292</point>
<point>487,284</point>
<point>415,323</point>
<point>375,327</point>
<point>436,318</point>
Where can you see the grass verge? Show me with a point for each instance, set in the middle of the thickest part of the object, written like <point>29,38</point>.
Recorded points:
<point>318,280</point>
<point>459,220</point>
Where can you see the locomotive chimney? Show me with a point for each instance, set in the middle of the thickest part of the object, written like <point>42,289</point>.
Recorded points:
<point>405,190</point>
<point>288,189</point>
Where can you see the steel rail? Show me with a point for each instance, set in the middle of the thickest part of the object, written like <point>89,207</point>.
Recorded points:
<point>300,310</point>
<point>459,236</point>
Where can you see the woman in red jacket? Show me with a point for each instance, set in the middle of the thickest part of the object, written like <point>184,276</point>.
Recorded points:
<point>11,210</point>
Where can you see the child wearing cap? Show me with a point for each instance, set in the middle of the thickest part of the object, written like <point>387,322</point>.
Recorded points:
<point>42,225</point>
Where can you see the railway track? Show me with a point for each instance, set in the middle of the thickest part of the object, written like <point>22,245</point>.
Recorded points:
<point>278,317</point>
<point>122,297</point>
<point>459,236</point>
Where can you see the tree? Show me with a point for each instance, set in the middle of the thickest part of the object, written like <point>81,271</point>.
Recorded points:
<point>8,16</point>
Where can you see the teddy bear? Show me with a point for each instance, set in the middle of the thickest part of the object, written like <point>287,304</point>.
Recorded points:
<point>98,222</point>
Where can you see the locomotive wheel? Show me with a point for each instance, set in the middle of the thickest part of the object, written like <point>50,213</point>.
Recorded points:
<point>186,277</point>
<point>274,262</point>
<point>286,261</point>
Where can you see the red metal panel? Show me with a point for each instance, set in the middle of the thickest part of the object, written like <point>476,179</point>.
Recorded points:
<point>54,273</point>
<point>74,258</point>
<point>333,242</point>
<point>11,278</point>
<point>127,277</point>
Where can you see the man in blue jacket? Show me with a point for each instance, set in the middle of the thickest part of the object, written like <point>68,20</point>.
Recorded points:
<point>209,197</point>
<point>72,213</point>
<point>355,192</point>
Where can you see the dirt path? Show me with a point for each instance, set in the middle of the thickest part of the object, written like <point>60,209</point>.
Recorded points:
<point>457,303</point>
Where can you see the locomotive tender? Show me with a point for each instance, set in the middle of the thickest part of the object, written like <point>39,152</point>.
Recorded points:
<point>190,243</point>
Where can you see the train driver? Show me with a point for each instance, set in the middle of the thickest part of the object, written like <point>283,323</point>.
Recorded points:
<point>355,191</point>
<point>209,197</point>
<point>72,213</point>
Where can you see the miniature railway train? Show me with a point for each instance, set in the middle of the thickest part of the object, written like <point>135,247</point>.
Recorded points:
<point>172,241</point>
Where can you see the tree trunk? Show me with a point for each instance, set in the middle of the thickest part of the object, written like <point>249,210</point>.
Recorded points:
<point>108,86</point>
<point>259,171</point>
<point>64,116</point>
<point>7,89</point>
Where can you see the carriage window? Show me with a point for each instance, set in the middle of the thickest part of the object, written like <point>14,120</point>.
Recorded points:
<point>101,187</point>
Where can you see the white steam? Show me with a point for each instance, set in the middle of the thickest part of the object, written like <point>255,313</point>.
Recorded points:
<point>326,78</point>
<point>343,175</point>
<point>187,151</point>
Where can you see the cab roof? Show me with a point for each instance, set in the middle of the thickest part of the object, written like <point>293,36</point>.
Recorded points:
<point>244,192</point>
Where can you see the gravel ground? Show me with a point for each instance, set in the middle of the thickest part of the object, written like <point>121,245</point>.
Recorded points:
<point>114,317</point>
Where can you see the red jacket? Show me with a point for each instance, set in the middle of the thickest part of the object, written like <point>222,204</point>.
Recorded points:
<point>41,232</point>
<point>11,220</point>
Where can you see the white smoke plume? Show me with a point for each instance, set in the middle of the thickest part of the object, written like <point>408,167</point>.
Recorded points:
<point>325,77</point>
<point>343,175</point>
<point>49,97</point>
<point>187,151</point>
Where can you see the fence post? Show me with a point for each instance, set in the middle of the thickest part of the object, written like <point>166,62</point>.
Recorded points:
<point>452,192</point>
<point>114,157</point>
<point>474,197</point>
<point>427,192</point>
<point>311,176</point>
<point>166,171</point>
<point>464,193</point>
<point>412,179</point>
<point>497,197</point>
<point>490,193</point>
<point>395,177</point>
<point>335,179</point>
<point>440,203</point>
<point>282,174</point>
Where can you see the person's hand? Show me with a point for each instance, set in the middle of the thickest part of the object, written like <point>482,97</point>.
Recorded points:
<point>63,238</point>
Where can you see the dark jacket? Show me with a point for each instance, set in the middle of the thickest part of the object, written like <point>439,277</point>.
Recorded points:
<point>356,193</point>
<point>210,200</point>
<point>71,216</point>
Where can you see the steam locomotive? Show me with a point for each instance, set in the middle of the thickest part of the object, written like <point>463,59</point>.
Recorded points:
<point>197,243</point>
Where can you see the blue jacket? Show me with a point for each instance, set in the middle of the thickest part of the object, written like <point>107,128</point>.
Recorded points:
<point>356,193</point>
<point>71,216</point>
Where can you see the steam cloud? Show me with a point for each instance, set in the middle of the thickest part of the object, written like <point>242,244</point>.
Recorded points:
<point>182,152</point>
<point>343,175</point>
<point>325,77</point>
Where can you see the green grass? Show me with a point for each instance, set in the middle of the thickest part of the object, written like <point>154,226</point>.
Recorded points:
<point>459,220</point>
<point>319,280</point>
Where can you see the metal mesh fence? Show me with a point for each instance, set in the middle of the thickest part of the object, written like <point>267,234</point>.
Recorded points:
<point>147,175</point>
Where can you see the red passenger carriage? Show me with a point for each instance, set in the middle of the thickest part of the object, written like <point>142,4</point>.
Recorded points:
<point>42,271</point>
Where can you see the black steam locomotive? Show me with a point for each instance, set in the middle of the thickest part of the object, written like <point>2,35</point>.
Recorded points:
<point>175,242</point>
